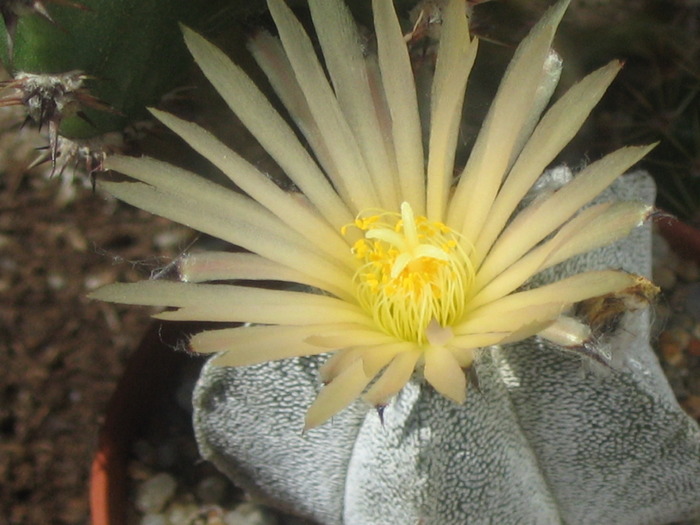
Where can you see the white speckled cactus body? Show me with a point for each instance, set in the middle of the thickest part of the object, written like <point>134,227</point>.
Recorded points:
<point>542,440</point>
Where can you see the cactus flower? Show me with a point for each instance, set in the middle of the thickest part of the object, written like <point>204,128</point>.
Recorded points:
<point>410,265</point>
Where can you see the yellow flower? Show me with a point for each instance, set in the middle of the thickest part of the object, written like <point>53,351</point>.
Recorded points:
<point>405,267</point>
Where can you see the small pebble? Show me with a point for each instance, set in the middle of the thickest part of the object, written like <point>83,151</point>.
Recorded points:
<point>144,452</point>
<point>665,277</point>
<point>154,493</point>
<point>182,513</point>
<point>688,271</point>
<point>680,337</point>
<point>154,519</point>
<point>212,489</point>
<point>166,455</point>
<point>56,281</point>
<point>249,514</point>
<point>672,343</point>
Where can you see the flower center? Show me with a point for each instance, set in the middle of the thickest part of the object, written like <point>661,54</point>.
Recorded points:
<point>414,272</point>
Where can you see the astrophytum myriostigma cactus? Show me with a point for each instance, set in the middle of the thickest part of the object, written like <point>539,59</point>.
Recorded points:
<point>414,280</point>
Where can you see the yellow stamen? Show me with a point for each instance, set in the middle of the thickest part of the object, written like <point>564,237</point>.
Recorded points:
<point>415,272</point>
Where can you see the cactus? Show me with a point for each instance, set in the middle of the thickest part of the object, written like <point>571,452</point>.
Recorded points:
<point>90,68</point>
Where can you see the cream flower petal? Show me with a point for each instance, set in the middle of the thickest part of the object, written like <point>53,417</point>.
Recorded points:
<point>248,338</point>
<point>222,302</point>
<point>273,133</point>
<point>349,336</point>
<point>512,321</point>
<point>567,291</point>
<point>594,227</point>
<point>399,87</point>
<point>270,56</point>
<point>293,211</point>
<point>354,183</point>
<point>342,51</point>
<point>549,80</point>
<point>455,59</point>
<point>444,373</point>
<point>375,358</point>
<point>339,360</point>
<point>250,345</point>
<point>528,330</point>
<point>541,218</point>
<point>226,266</point>
<point>617,221</point>
<point>510,112</point>
<point>477,340</point>
<point>251,235</point>
<point>393,379</point>
<point>566,331</point>
<point>336,395</point>
<point>557,127</point>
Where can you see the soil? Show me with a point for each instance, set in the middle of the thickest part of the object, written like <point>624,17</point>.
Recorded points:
<point>62,353</point>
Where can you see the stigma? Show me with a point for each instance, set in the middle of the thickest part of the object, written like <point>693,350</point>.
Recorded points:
<point>414,273</point>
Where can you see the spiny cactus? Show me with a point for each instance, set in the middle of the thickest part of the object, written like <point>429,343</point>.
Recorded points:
<point>90,68</point>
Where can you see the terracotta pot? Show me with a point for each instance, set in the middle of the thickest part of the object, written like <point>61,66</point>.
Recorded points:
<point>151,373</point>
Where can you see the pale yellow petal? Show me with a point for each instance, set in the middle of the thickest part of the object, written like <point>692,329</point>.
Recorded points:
<point>226,266</point>
<point>594,227</point>
<point>501,132</point>
<point>514,320</point>
<point>393,379</point>
<point>465,357</point>
<point>351,335</point>
<point>476,340</point>
<point>338,361</point>
<point>376,357</point>
<point>540,219</point>
<point>443,372</point>
<point>223,214</point>
<point>247,338</point>
<point>255,344</point>
<point>304,219</point>
<point>566,331</point>
<point>551,73</point>
<point>343,53</point>
<point>534,328</point>
<point>354,182</point>
<point>268,127</point>
<point>555,130</point>
<point>455,58</point>
<point>614,224</point>
<point>567,291</point>
<point>221,302</point>
<point>400,91</point>
<point>198,267</point>
<point>337,395</point>
<point>270,56</point>
<point>250,345</point>
<point>381,110</point>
